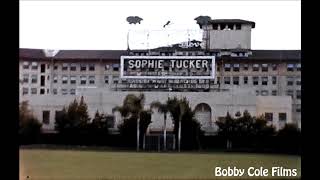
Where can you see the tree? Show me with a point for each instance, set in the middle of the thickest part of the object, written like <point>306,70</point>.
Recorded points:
<point>73,118</point>
<point>289,138</point>
<point>227,129</point>
<point>243,126</point>
<point>186,127</point>
<point>289,130</point>
<point>132,110</point>
<point>164,109</point>
<point>99,128</point>
<point>29,126</point>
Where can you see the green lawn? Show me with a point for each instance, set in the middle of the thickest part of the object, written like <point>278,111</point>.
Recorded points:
<point>77,164</point>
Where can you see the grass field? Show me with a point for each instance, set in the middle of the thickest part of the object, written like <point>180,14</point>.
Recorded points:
<point>77,164</point>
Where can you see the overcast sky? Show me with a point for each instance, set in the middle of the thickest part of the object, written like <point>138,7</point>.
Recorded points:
<point>103,25</point>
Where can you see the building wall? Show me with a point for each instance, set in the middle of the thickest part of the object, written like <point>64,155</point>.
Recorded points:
<point>104,96</point>
<point>228,39</point>
<point>270,104</point>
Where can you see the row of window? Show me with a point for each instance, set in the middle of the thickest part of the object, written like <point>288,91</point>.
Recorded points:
<point>70,66</point>
<point>71,79</point>
<point>34,91</point>
<point>281,116</point>
<point>256,80</point>
<point>275,93</point>
<point>256,67</point>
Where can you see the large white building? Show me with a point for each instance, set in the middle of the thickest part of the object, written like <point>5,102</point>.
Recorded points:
<point>264,82</point>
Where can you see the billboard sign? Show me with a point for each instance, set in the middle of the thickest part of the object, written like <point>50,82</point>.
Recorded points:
<point>167,67</point>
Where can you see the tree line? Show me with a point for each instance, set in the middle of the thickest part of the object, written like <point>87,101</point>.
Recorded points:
<point>74,121</point>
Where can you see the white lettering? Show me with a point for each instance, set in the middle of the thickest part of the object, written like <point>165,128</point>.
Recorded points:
<point>160,64</point>
<point>257,172</point>
<point>131,63</point>
<point>229,171</point>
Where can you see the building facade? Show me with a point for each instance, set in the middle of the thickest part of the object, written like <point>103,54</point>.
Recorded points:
<point>264,82</point>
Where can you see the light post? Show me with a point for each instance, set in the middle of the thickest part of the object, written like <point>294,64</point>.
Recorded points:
<point>134,20</point>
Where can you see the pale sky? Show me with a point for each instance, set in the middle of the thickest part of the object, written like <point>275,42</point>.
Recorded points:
<point>102,25</point>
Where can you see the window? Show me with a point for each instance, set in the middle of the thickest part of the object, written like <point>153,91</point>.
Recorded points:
<point>42,91</point>
<point>264,67</point>
<point>25,65</point>
<point>289,81</point>
<point>245,67</point>
<point>223,26</point>
<point>72,91</point>
<point>289,93</point>
<point>218,80</point>
<point>83,80</point>
<point>91,67</point>
<point>55,79</point>
<point>34,78</point>
<point>298,81</point>
<point>45,117</point>
<point>215,26</point>
<point>34,65</point>
<point>274,67</point>
<point>236,67</point>
<point>236,80</point>
<point>230,26</point>
<point>264,93</point>
<point>91,79</point>
<point>42,68</point>
<point>55,67</point>
<point>115,79</point>
<point>106,79</point>
<point>25,91</point>
<point>257,92</point>
<point>255,67</point>
<point>73,80</point>
<point>274,92</point>
<point>265,80</point>
<point>238,26</point>
<point>33,90</point>
<point>73,67</point>
<point>298,66</point>
<point>64,66</point>
<point>107,67</point>
<point>64,79</point>
<point>274,80</point>
<point>289,67</point>
<point>47,91</point>
<point>282,116</point>
<point>64,91</point>
<point>255,80</point>
<point>298,94</point>
<point>226,80</point>
<point>42,80</point>
<point>55,91</point>
<point>245,80</point>
<point>298,108</point>
<point>83,67</point>
<point>268,116</point>
<point>227,67</point>
<point>115,67</point>
<point>26,78</point>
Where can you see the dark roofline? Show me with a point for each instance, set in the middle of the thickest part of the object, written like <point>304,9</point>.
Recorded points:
<point>116,54</point>
<point>240,21</point>
<point>233,21</point>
